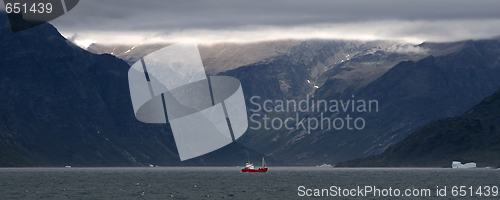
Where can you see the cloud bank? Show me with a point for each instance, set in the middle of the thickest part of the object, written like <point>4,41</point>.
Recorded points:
<point>215,21</point>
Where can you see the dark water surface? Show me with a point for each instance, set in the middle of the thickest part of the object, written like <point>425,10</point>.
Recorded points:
<point>229,182</point>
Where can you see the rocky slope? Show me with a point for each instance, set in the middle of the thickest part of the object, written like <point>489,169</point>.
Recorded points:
<point>410,95</point>
<point>216,57</point>
<point>414,85</point>
<point>474,136</point>
<point>61,105</point>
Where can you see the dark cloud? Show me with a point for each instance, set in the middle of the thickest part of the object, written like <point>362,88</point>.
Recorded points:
<point>167,17</point>
<point>215,14</point>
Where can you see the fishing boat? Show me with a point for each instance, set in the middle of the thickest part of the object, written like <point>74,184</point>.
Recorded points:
<point>250,168</point>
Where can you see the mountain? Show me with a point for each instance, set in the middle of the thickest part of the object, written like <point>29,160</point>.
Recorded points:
<point>450,78</point>
<point>474,136</point>
<point>413,84</point>
<point>216,57</point>
<point>61,105</point>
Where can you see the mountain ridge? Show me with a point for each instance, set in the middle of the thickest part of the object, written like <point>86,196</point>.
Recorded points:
<point>411,95</point>
<point>474,136</point>
<point>61,105</point>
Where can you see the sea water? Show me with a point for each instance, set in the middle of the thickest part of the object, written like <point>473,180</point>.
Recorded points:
<point>230,182</point>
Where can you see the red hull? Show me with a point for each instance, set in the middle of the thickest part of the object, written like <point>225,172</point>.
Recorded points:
<point>254,170</point>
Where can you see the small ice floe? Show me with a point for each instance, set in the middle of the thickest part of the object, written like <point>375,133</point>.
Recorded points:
<point>67,166</point>
<point>456,164</point>
<point>324,165</point>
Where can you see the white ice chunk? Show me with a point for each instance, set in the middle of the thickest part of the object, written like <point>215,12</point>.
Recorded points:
<point>456,164</point>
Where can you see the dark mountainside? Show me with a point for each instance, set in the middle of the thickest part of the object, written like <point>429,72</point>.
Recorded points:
<point>73,107</point>
<point>411,94</point>
<point>414,94</point>
<point>414,85</point>
<point>472,137</point>
<point>61,105</point>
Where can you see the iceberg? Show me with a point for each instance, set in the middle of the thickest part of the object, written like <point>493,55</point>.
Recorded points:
<point>456,164</point>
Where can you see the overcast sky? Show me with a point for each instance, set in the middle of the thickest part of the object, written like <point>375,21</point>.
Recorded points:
<point>209,21</point>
